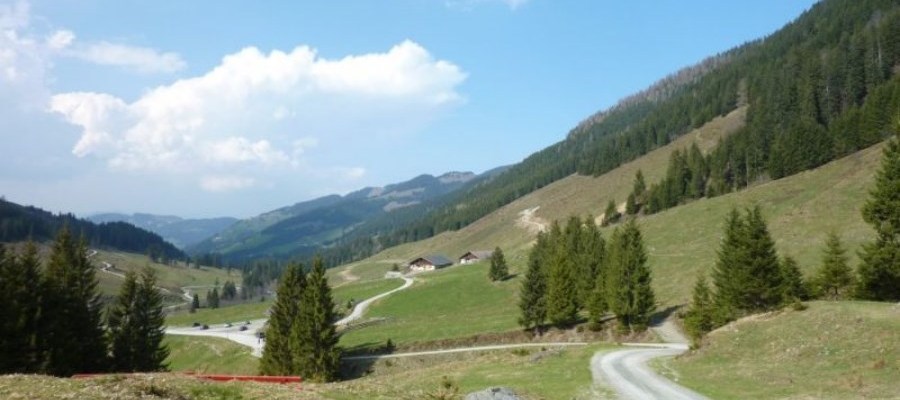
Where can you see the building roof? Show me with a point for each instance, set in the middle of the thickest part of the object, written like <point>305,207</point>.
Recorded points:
<point>434,259</point>
<point>480,254</point>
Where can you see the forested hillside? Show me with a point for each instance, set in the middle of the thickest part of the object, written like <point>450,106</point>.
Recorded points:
<point>19,223</point>
<point>176,230</point>
<point>820,88</point>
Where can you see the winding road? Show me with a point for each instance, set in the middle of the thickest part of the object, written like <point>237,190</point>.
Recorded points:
<point>626,370</point>
<point>248,336</point>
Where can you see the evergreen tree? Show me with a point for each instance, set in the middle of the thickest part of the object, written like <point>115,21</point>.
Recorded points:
<point>611,215</point>
<point>631,206</point>
<point>629,293</point>
<point>212,298</point>
<point>639,188</point>
<point>834,277</point>
<point>20,306</point>
<point>699,318</point>
<point>748,275</point>
<point>590,261</point>
<point>71,319</point>
<point>562,288</point>
<point>879,270</point>
<point>793,287</point>
<point>150,325</point>
<point>313,337</point>
<point>122,331</point>
<point>278,356</point>
<point>498,270</point>
<point>532,297</point>
<point>195,303</point>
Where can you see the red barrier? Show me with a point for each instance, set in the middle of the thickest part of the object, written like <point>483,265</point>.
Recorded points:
<point>217,378</point>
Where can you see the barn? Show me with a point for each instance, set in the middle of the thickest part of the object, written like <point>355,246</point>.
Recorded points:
<point>429,263</point>
<point>475,256</point>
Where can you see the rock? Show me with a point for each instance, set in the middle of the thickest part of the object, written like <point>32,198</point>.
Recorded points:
<point>494,393</point>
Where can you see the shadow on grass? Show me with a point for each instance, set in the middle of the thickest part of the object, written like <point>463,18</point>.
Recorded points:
<point>658,317</point>
<point>354,369</point>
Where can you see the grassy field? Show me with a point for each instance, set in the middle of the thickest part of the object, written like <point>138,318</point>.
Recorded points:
<point>533,374</point>
<point>255,310</point>
<point>452,302</point>
<point>209,355</point>
<point>172,277</point>
<point>833,350</point>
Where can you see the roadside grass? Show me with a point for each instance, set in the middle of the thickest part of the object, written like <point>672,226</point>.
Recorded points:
<point>531,373</point>
<point>832,350</point>
<point>257,309</point>
<point>452,302</point>
<point>209,355</point>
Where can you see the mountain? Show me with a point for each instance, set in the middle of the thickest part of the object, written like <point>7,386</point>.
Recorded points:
<point>18,223</point>
<point>306,227</point>
<point>176,230</point>
<point>822,87</point>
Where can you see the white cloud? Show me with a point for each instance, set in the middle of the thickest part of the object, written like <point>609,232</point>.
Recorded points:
<point>256,110</point>
<point>60,39</point>
<point>225,183</point>
<point>139,59</point>
<point>14,16</point>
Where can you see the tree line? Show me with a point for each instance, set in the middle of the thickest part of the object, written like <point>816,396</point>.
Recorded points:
<point>574,269</point>
<point>51,315</point>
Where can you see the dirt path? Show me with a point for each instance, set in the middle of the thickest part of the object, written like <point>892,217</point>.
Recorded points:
<point>347,275</point>
<point>530,222</point>
<point>626,371</point>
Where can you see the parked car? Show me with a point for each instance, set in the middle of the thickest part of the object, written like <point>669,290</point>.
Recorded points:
<point>195,324</point>
<point>243,328</point>
<point>205,327</point>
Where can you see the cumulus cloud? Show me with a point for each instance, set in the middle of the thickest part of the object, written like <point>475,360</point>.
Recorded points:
<point>263,110</point>
<point>139,59</point>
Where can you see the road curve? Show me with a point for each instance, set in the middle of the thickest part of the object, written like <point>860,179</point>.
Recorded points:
<point>361,307</point>
<point>627,371</point>
<point>248,337</point>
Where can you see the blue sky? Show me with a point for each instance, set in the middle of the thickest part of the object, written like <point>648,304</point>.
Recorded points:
<point>208,108</point>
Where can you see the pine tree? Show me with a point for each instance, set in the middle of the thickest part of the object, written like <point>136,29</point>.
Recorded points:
<point>793,288</point>
<point>71,321</point>
<point>20,310</point>
<point>212,298</point>
<point>639,188</point>
<point>631,206</point>
<point>699,318</point>
<point>562,287</point>
<point>195,304</point>
<point>278,356</point>
<point>532,296</point>
<point>748,275</point>
<point>879,270</point>
<point>120,322</point>
<point>498,270</point>
<point>313,337</point>
<point>611,215</point>
<point>629,293</point>
<point>590,261</point>
<point>834,277</point>
<point>150,323</point>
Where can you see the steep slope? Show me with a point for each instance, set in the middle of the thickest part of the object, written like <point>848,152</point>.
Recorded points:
<point>306,227</point>
<point>805,84</point>
<point>19,223</point>
<point>176,230</point>
<point>833,350</point>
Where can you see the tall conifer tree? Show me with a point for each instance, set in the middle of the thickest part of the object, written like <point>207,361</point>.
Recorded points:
<point>533,295</point>
<point>72,319</point>
<point>629,292</point>
<point>313,337</point>
<point>835,277</point>
<point>20,310</point>
<point>879,271</point>
<point>278,356</point>
<point>562,288</point>
<point>498,269</point>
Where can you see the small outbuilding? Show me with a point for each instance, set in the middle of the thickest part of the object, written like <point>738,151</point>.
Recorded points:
<point>475,256</point>
<point>429,263</point>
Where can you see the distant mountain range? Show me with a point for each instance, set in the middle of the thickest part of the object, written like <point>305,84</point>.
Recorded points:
<point>20,223</point>
<point>176,230</point>
<point>306,227</point>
